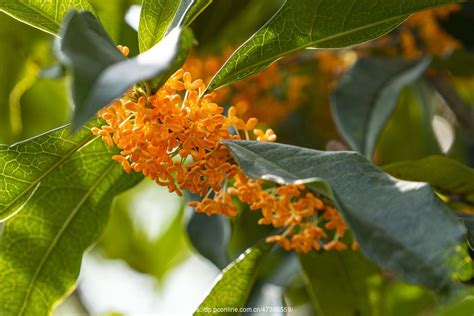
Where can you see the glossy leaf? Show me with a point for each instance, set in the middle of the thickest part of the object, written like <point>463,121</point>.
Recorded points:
<point>339,282</point>
<point>44,15</point>
<point>401,226</point>
<point>446,175</point>
<point>319,24</point>
<point>366,97</point>
<point>233,285</point>
<point>155,18</point>
<point>66,184</point>
<point>159,17</point>
<point>98,67</point>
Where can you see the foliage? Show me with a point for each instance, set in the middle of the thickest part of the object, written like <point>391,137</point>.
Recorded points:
<point>349,84</point>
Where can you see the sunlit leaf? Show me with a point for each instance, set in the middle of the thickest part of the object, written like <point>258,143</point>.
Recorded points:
<point>64,186</point>
<point>319,24</point>
<point>339,282</point>
<point>446,175</point>
<point>99,68</point>
<point>234,284</point>
<point>367,95</point>
<point>159,17</point>
<point>44,15</point>
<point>401,226</point>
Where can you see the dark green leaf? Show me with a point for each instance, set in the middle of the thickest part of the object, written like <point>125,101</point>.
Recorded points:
<point>400,225</point>
<point>99,68</point>
<point>316,23</point>
<point>339,282</point>
<point>65,185</point>
<point>159,17</point>
<point>367,95</point>
<point>210,236</point>
<point>447,175</point>
<point>44,15</point>
<point>234,284</point>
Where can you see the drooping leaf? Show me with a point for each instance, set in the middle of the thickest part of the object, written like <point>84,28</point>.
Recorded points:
<point>319,24</point>
<point>210,236</point>
<point>159,17</point>
<point>101,73</point>
<point>65,185</point>
<point>234,284</point>
<point>447,175</point>
<point>44,15</point>
<point>367,95</point>
<point>400,225</point>
<point>339,282</point>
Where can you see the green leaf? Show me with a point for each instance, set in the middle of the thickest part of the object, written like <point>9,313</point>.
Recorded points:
<point>124,237</point>
<point>339,282</point>
<point>446,175</point>
<point>319,24</point>
<point>401,226</point>
<point>112,16</point>
<point>99,68</point>
<point>44,15</point>
<point>234,284</point>
<point>366,98</point>
<point>463,306</point>
<point>65,185</point>
<point>408,133</point>
<point>155,18</point>
<point>20,59</point>
<point>210,236</point>
<point>159,17</point>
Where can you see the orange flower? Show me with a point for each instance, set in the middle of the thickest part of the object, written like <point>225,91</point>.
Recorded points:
<point>174,138</point>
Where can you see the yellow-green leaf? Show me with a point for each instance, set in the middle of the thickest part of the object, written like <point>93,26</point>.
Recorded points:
<point>64,186</point>
<point>44,15</point>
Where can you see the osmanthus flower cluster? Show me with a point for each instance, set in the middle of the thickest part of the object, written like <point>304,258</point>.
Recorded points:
<point>174,138</point>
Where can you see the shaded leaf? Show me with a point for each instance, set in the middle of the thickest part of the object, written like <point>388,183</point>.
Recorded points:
<point>234,284</point>
<point>447,175</point>
<point>99,68</point>
<point>401,226</point>
<point>367,95</point>
<point>319,24</point>
<point>339,282</point>
<point>409,133</point>
<point>70,182</point>
<point>159,17</point>
<point>44,15</point>
<point>210,236</point>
